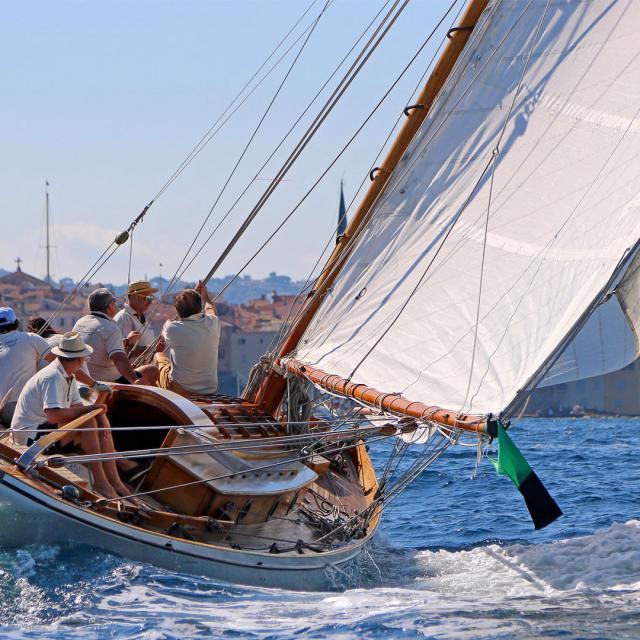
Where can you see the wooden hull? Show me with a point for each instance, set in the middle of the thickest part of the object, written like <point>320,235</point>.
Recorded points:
<point>31,517</point>
<point>33,511</point>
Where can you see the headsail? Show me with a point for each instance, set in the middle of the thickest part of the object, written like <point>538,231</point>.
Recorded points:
<point>408,312</point>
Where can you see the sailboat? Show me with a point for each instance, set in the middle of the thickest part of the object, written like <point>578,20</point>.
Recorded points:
<point>502,223</point>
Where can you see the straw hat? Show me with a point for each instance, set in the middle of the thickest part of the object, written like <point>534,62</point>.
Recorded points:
<point>140,287</point>
<point>72,346</point>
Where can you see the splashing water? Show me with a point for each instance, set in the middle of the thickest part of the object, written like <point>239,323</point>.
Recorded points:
<point>456,558</point>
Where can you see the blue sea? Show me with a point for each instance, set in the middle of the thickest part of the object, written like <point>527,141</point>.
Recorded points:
<point>457,557</point>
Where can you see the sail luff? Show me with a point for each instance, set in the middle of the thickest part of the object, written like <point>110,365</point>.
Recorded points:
<point>270,393</point>
<point>563,210</point>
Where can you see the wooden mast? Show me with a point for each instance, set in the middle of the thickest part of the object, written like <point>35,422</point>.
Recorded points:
<point>270,393</point>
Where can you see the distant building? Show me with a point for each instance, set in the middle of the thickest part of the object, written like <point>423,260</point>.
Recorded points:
<point>30,296</point>
<point>616,393</point>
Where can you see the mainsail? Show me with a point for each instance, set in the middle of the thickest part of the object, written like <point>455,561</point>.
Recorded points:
<point>509,219</point>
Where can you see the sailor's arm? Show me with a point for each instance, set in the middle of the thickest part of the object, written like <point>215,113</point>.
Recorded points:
<point>209,307</point>
<point>62,416</point>
<point>119,358</point>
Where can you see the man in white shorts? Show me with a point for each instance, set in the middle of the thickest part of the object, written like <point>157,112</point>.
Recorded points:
<point>21,355</point>
<point>109,362</point>
<point>51,399</point>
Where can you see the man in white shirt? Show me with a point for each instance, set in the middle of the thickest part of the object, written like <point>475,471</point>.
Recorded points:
<point>50,399</point>
<point>133,318</point>
<point>21,355</point>
<point>109,362</point>
<point>191,345</point>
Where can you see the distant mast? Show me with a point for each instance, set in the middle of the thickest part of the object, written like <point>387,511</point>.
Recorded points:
<point>48,245</point>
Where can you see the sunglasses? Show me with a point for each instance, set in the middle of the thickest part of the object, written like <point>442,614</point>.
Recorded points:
<point>150,298</point>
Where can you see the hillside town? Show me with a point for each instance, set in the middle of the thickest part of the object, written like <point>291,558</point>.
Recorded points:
<point>248,329</point>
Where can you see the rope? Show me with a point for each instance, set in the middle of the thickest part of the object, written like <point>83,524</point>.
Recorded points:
<point>223,476</point>
<point>248,144</point>
<point>458,215</point>
<point>349,77</point>
<point>207,137</point>
<point>324,173</point>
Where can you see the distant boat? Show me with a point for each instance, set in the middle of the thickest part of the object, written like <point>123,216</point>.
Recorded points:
<point>503,218</point>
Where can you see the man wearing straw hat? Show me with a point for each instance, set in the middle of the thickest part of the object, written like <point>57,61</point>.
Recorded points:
<point>133,318</point>
<point>51,399</point>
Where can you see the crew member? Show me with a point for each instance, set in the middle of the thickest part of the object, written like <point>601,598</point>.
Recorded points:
<point>134,319</point>
<point>190,361</point>
<point>51,399</point>
<point>39,326</point>
<point>109,362</point>
<point>21,355</point>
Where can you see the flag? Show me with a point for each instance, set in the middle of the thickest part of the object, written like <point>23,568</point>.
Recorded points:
<point>342,215</point>
<point>542,507</point>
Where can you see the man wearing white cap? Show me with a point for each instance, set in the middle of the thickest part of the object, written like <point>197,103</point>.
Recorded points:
<point>21,354</point>
<point>133,318</point>
<point>51,399</point>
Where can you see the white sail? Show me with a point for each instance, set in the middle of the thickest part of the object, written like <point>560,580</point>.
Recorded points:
<point>606,343</point>
<point>563,211</point>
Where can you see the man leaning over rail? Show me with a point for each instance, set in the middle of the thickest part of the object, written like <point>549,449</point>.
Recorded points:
<point>51,399</point>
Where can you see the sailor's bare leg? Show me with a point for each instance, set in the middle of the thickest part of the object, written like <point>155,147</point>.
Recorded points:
<point>90,444</point>
<point>150,374</point>
<point>107,446</point>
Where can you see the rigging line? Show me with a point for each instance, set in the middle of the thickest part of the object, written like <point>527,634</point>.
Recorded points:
<point>496,152</point>
<point>215,446</point>
<point>329,167</point>
<point>130,258</point>
<point>344,80</point>
<point>314,127</point>
<point>335,424</point>
<point>351,241</point>
<point>383,497</point>
<point>457,216</point>
<point>189,158</point>
<point>279,145</point>
<point>597,299</point>
<point>206,138</point>
<point>219,477</point>
<point>253,135</point>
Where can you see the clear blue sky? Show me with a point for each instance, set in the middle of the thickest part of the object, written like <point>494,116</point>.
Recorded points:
<point>105,99</point>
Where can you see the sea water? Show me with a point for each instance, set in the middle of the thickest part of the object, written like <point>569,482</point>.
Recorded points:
<point>456,557</point>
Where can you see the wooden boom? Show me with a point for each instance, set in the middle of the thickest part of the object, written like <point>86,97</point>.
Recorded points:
<point>270,393</point>
<point>391,402</point>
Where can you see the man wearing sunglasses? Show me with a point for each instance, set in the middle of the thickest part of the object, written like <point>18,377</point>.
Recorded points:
<point>133,319</point>
<point>108,361</point>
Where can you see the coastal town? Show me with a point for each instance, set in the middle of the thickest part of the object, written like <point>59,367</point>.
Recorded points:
<point>248,329</point>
